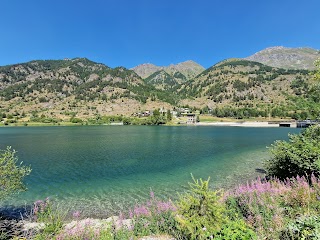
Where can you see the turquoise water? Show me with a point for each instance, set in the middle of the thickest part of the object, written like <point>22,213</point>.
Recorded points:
<point>101,170</point>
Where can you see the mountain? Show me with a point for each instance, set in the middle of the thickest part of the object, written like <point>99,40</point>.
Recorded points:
<point>288,58</point>
<point>240,88</point>
<point>146,69</point>
<point>189,69</point>
<point>61,89</point>
<point>75,86</point>
<point>163,80</point>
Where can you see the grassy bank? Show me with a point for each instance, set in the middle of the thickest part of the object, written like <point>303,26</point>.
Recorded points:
<point>261,209</point>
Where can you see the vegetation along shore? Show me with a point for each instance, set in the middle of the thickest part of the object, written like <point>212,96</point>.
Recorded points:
<point>80,91</point>
<point>284,205</point>
<point>159,120</point>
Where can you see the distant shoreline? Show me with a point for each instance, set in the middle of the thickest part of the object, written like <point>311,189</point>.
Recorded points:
<point>205,123</point>
<point>238,124</point>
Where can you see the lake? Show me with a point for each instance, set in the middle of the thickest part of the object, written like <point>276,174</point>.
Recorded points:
<point>101,170</point>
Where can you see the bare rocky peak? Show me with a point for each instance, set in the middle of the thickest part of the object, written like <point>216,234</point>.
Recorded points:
<point>146,69</point>
<point>188,68</point>
<point>289,58</point>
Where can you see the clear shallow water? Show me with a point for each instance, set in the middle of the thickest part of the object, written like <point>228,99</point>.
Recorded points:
<point>101,170</point>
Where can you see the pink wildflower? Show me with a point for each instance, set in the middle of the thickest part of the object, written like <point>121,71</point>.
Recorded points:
<point>151,194</point>
<point>76,214</point>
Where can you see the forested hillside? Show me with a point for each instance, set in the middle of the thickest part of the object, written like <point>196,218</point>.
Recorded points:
<point>240,88</point>
<point>79,87</point>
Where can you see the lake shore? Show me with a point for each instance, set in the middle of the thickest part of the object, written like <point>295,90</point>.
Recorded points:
<point>206,123</point>
<point>238,124</point>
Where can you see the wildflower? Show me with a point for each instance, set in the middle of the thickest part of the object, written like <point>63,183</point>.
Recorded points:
<point>204,228</point>
<point>76,214</point>
<point>35,210</point>
<point>130,214</point>
<point>38,202</point>
<point>130,227</point>
<point>151,194</point>
<point>141,210</point>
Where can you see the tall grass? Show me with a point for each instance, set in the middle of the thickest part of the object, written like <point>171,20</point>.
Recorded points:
<point>260,209</point>
<point>269,206</point>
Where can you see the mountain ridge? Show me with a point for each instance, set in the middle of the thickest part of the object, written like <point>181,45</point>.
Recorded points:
<point>188,68</point>
<point>84,88</point>
<point>288,58</point>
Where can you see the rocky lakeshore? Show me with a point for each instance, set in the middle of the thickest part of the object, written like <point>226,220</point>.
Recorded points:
<point>26,229</point>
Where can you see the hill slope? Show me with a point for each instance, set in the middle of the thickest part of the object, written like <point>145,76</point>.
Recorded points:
<point>288,58</point>
<point>189,69</point>
<point>82,88</point>
<point>251,87</point>
<point>58,87</point>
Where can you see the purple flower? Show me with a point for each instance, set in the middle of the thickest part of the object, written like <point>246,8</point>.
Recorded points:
<point>76,214</point>
<point>130,214</point>
<point>141,211</point>
<point>151,194</point>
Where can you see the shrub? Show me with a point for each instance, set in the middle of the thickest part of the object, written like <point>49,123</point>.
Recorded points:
<point>300,156</point>
<point>11,173</point>
<point>235,230</point>
<point>304,227</point>
<point>75,120</point>
<point>201,212</point>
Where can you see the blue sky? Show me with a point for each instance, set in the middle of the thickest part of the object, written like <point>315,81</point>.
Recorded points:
<point>131,32</point>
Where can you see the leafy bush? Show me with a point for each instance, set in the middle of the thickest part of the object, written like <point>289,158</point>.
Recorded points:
<point>75,120</point>
<point>11,173</point>
<point>201,212</point>
<point>235,230</point>
<point>304,227</point>
<point>299,156</point>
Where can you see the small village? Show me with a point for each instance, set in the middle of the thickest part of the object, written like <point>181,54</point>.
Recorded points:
<point>182,115</point>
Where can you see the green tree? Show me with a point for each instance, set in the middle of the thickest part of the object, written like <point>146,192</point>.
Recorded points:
<point>298,156</point>
<point>11,173</point>
<point>157,118</point>
<point>169,116</point>
<point>156,113</point>
<point>317,74</point>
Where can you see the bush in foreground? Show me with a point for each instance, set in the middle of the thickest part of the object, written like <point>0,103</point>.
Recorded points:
<point>304,227</point>
<point>300,156</point>
<point>11,173</point>
<point>270,206</point>
<point>273,209</point>
<point>201,212</point>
